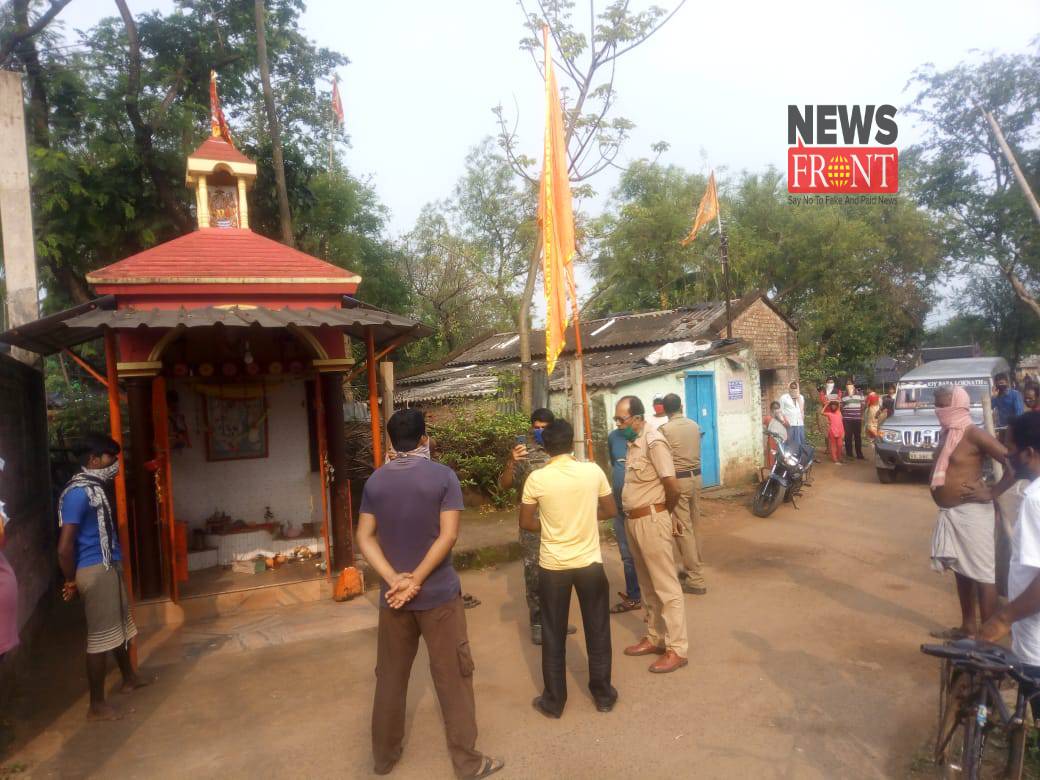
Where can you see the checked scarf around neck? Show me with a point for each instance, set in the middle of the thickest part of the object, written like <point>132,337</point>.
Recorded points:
<point>93,482</point>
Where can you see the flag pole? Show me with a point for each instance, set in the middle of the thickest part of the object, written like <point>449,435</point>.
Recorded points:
<point>575,315</point>
<point>724,251</point>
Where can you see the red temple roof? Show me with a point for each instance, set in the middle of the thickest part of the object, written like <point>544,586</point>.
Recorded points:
<point>219,149</point>
<point>222,256</point>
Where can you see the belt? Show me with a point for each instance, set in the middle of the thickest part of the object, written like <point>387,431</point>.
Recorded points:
<point>643,511</point>
<point>687,474</point>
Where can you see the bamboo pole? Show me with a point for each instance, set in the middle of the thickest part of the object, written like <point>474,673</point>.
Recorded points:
<point>373,399</point>
<point>115,423</point>
<point>1019,176</point>
<point>580,366</point>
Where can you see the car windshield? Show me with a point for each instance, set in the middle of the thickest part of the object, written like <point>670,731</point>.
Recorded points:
<point>921,395</point>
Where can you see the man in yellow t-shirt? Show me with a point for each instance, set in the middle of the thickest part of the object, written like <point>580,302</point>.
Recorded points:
<point>563,501</point>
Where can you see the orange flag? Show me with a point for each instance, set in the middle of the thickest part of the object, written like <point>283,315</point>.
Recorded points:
<point>218,124</point>
<point>706,212</point>
<point>556,219</point>
<point>337,103</point>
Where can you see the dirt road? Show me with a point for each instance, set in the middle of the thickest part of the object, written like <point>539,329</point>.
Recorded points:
<point>804,662</point>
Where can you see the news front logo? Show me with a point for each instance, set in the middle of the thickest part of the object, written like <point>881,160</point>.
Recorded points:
<point>842,150</point>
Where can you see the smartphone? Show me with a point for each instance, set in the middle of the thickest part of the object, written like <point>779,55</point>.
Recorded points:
<point>521,440</point>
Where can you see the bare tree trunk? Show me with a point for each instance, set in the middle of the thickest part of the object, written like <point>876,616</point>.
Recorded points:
<point>1009,269</point>
<point>143,131</point>
<point>272,120</point>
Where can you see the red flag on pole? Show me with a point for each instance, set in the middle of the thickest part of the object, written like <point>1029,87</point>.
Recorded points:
<point>218,124</point>
<point>337,103</point>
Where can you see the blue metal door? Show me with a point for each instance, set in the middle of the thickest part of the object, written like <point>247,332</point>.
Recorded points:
<point>700,407</point>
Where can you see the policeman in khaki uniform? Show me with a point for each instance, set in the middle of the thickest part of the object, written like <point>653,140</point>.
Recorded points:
<point>650,495</point>
<point>685,437</point>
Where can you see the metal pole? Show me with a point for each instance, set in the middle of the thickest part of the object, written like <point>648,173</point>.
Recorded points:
<point>373,399</point>
<point>115,423</point>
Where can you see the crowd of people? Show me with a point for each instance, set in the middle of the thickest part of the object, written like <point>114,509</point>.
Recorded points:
<point>409,521</point>
<point>848,417</point>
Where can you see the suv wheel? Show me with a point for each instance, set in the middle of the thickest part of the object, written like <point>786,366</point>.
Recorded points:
<point>886,476</point>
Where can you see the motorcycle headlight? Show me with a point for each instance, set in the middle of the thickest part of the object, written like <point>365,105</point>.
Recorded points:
<point>791,460</point>
<point>892,437</point>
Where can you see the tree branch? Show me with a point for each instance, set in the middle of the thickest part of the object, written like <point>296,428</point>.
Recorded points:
<point>32,30</point>
<point>618,52</point>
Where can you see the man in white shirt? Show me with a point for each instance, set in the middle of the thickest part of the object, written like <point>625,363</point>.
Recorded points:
<point>1021,615</point>
<point>792,410</point>
<point>659,417</point>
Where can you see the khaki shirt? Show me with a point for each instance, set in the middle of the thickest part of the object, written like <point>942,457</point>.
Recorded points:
<point>649,459</point>
<point>685,437</point>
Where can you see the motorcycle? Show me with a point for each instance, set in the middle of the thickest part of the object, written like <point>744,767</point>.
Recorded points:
<point>790,473</point>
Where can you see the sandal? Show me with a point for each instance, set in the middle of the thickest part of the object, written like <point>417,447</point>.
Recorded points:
<point>468,602</point>
<point>489,766</point>
<point>625,605</point>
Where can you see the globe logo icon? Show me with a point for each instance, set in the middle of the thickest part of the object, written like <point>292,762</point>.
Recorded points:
<point>838,171</point>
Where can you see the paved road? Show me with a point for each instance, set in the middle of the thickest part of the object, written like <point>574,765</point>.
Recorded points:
<point>803,663</point>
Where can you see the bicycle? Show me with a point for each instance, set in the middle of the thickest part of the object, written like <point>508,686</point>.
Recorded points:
<point>972,710</point>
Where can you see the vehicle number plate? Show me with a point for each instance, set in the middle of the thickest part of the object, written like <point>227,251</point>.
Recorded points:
<point>922,455</point>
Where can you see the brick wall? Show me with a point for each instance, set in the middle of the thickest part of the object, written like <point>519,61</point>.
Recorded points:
<point>775,345</point>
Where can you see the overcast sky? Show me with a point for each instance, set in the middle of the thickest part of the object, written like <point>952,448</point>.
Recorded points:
<point>714,83</point>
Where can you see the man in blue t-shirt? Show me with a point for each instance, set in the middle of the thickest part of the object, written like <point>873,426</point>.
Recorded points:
<point>632,598</point>
<point>1008,401</point>
<point>91,563</point>
<point>408,524</point>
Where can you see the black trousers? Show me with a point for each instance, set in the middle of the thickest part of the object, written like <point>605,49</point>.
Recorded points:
<point>853,435</point>
<point>554,590</point>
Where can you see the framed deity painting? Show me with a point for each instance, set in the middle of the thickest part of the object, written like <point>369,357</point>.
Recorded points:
<point>236,428</point>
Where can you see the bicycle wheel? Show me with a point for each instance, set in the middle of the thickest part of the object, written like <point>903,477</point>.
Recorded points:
<point>1016,757</point>
<point>956,722</point>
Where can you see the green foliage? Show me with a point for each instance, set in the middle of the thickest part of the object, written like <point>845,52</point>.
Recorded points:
<point>855,278</point>
<point>475,446</point>
<point>99,197</point>
<point>961,174</point>
<point>82,405</point>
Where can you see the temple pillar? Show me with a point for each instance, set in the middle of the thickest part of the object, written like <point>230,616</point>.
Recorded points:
<point>335,438</point>
<point>142,487</point>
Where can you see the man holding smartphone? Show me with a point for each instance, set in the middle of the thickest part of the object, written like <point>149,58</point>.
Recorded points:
<point>526,456</point>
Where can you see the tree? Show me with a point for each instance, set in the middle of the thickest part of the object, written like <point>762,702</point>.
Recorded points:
<point>963,176</point>
<point>495,214</point>
<point>855,277</point>
<point>594,135</point>
<point>274,126</point>
<point>113,118</point>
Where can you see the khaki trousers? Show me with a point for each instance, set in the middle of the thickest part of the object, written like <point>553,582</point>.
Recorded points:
<point>443,629</point>
<point>651,541</point>
<point>689,544</point>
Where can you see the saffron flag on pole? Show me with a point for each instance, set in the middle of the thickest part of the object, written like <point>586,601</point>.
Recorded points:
<point>218,124</point>
<point>706,212</point>
<point>337,103</point>
<point>556,219</point>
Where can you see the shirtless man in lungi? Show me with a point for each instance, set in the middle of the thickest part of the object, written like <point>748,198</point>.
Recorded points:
<point>964,531</point>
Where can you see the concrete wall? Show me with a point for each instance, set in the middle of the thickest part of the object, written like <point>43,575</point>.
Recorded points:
<point>739,422</point>
<point>775,344</point>
<point>244,488</point>
<point>25,485</point>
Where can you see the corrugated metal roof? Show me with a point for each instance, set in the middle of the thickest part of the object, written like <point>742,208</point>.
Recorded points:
<point>478,385</point>
<point>53,333</point>
<point>615,367</point>
<point>615,331</point>
<point>72,327</point>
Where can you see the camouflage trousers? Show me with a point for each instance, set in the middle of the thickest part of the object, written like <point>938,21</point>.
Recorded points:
<point>529,543</point>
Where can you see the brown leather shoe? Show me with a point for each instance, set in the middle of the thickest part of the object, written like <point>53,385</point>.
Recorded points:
<point>668,662</point>
<point>645,647</point>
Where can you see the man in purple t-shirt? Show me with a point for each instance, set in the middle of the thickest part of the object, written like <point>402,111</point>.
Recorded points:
<point>408,524</point>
